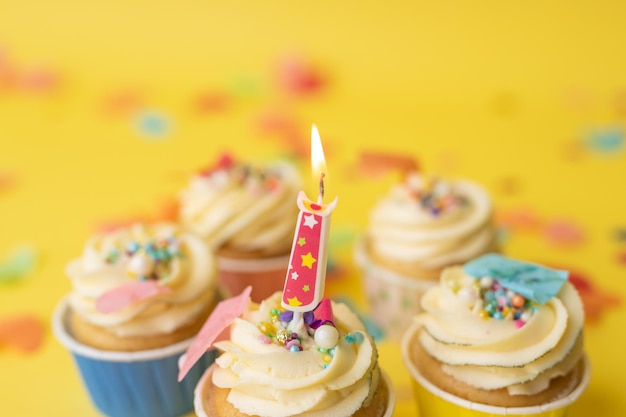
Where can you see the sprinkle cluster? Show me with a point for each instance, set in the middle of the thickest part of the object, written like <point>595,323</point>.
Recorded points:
<point>434,196</point>
<point>244,175</point>
<point>150,260</point>
<point>489,299</point>
<point>325,335</point>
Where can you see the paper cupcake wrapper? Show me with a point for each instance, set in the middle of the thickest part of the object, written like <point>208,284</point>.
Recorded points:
<point>433,402</point>
<point>393,299</point>
<point>206,379</point>
<point>266,276</point>
<point>133,384</point>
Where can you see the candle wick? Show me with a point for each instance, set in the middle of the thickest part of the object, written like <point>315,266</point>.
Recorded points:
<point>320,198</point>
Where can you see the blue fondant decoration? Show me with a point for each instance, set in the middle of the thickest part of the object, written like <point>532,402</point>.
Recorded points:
<point>534,282</point>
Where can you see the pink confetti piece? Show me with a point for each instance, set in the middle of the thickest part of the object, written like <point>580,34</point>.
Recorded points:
<point>563,233</point>
<point>24,331</point>
<point>297,77</point>
<point>38,80</point>
<point>129,294</point>
<point>221,317</point>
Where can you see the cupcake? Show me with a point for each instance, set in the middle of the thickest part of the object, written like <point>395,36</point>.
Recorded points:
<point>139,295</point>
<point>498,336</point>
<point>323,364</point>
<point>418,229</point>
<point>246,213</point>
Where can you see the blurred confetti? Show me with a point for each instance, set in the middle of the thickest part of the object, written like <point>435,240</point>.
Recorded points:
<point>246,86</point>
<point>153,124</point>
<point>33,79</point>
<point>579,99</point>
<point>24,332</point>
<point>208,102</point>
<point>373,164</point>
<point>123,103</point>
<point>19,262</point>
<point>286,131</point>
<point>297,77</point>
<point>573,150</point>
<point>7,181</point>
<point>517,219</point>
<point>620,103</point>
<point>605,140</point>
<point>620,234</point>
<point>595,300</point>
<point>561,232</point>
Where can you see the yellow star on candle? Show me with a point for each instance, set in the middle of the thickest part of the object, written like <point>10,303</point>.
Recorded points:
<point>308,260</point>
<point>306,288</point>
<point>294,302</point>
<point>301,241</point>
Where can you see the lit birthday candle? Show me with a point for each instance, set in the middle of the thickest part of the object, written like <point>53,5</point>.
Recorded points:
<point>304,283</point>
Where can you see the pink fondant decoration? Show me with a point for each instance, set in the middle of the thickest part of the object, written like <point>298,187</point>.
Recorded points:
<point>128,294</point>
<point>324,312</point>
<point>223,315</point>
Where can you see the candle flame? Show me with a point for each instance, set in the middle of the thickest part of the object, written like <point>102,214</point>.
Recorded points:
<point>318,162</point>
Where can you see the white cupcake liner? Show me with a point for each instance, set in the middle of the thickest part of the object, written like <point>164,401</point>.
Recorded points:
<point>393,299</point>
<point>132,384</point>
<point>430,398</point>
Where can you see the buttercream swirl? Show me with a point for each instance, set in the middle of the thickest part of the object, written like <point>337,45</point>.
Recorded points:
<point>266,379</point>
<point>243,207</point>
<point>432,223</point>
<point>118,258</point>
<point>492,353</point>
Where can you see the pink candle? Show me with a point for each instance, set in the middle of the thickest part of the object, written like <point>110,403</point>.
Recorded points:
<point>306,275</point>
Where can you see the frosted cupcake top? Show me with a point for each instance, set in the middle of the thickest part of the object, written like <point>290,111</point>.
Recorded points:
<point>176,268</point>
<point>497,323</point>
<point>243,207</point>
<point>432,222</point>
<point>272,368</point>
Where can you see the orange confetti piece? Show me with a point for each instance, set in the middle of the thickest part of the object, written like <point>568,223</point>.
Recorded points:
<point>517,219</point>
<point>24,332</point>
<point>376,162</point>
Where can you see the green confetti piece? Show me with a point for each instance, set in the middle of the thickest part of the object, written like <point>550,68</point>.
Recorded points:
<point>20,261</point>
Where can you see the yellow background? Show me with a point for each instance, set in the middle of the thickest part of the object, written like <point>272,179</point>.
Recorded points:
<point>502,92</point>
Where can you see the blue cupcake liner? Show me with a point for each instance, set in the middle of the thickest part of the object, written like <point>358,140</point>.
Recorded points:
<point>133,384</point>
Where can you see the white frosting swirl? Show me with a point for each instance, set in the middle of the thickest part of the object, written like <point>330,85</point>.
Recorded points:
<point>266,379</point>
<point>405,226</point>
<point>492,353</point>
<point>244,207</point>
<point>105,265</point>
